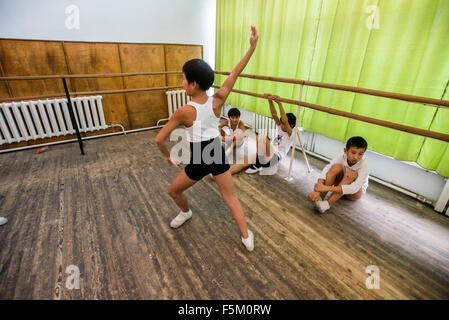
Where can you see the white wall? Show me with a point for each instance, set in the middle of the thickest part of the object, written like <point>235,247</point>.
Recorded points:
<point>142,21</point>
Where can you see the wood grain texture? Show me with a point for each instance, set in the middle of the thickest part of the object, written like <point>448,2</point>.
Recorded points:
<point>26,58</point>
<point>176,56</point>
<point>85,58</point>
<point>5,90</point>
<point>108,213</point>
<point>144,108</point>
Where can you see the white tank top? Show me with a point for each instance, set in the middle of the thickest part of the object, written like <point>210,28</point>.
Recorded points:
<point>205,126</point>
<point>282,143</point>
<point>236,131</point>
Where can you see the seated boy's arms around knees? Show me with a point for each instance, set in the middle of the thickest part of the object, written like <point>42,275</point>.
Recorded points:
<point>357,183</point>
<point>314,196</point>
<point>325,188</point>
<point>222,94</point>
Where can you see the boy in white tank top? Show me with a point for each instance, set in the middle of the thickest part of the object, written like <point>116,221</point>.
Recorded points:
<point>270,153</point>
<point>201,118</point>
<point>232,131</point>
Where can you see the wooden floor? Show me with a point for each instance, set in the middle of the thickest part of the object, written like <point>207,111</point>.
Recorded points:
<point>108,214</point>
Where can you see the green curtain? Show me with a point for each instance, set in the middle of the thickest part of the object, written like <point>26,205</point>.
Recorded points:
<point>398,46</point>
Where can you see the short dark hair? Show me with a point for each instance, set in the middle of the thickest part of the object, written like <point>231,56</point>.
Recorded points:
<point>234,112</point>
<point>291,119</point>
<point>199,71</point>
<point>357,142</point>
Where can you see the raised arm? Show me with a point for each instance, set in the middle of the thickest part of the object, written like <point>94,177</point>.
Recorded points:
<point>284,119</point>
<point>273,111</point>
<point>222,94</point>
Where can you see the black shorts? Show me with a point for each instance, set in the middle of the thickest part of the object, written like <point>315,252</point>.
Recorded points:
<point>206,157</point>
<point>273,161</point>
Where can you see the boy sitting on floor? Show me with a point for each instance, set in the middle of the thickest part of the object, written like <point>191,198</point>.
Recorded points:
<point>270,153</point>
<point>232,131</point>
<point>346,175</point>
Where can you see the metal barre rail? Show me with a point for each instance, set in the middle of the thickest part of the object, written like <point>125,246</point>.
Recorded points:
<point>404,97</point>
<point>392,125</point>
<point>98,75</point>
<point>398,96</point>
<point>88,93</point>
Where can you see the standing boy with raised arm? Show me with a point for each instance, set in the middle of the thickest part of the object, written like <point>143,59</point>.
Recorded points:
<point>201,117</point>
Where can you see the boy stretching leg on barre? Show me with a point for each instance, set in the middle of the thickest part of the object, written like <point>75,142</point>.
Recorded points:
<point>346,175</point>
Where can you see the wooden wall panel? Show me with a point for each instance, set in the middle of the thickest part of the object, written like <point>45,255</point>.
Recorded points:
<point>176,56</point>
<point>4,93</point>
<point>152,108</point>
<point>134,110</point>
<point>144,108</point>
<point>4,90</point>
<point>27,58</point>
<point>89,58</point>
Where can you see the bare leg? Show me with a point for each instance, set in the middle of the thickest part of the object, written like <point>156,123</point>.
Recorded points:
<point>348,178</point>
<point>176,189</point>
<point>246,163</point>
<point>264,150</point>
<point>355,196</point>
<point>224,182</point>
<point>333,177</point>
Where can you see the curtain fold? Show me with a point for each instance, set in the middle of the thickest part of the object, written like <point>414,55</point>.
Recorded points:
<point>398,46</point>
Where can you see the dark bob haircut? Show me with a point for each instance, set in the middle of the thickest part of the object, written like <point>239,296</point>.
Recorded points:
<point>199,71</point>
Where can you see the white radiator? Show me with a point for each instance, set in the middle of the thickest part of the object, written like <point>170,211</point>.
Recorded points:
<point>31,120</point>
<point>175,100</point>
<point>265,125</point>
